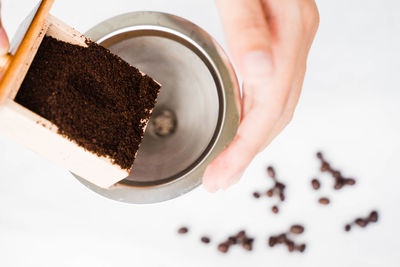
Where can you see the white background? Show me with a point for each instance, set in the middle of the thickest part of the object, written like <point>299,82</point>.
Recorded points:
<point>350,108</point>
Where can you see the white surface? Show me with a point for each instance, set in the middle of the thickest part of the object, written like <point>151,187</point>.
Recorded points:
<point>350,109</point>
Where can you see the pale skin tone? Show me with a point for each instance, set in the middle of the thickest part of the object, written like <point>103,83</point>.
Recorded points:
<point>269,41</point>
<point>4,44</point>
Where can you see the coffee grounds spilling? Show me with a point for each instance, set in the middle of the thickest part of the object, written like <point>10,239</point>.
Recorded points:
<point>94,97</point>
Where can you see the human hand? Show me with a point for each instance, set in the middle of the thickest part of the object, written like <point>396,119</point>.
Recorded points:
<point>4,44</point>
<point>269,41</point>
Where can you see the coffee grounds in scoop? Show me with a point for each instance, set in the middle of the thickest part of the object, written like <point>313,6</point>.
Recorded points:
<point>94,97</point>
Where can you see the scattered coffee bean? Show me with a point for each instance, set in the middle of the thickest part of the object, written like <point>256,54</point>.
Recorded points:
<point>232,240</point>
<point>301,247</point>
<point>283,239</point>
<point>275,209</point>
<point>340,181</point>
<point>349,181</point>
<point>315,184</point>
<point>223,247</point>
<point>277,190</point>
<point>297,229</point>
<point>183,230</point>
<point>239,239</point>
<point>373,216</point>
<point>325,167</point>
<point>363,222</point>
<point>248,244</point>
<point>272,241</point>
<point>324,201</point>
<point>290,245</point>
<point>205,239</point>
<point>270,193</point>
<point>271,172</point>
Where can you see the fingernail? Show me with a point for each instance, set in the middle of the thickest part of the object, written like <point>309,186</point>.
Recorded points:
<point>257,63</point>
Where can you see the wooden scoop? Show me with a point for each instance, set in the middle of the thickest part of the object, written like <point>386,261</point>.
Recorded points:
<point>28,128</point>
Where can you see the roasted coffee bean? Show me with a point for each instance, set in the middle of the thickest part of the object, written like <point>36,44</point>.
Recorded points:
<point>205,239</point>
<point>290,245</point>
<point>241,234</point>
<point>280,186</point>
<point>281,238</point>
<point>361,222</point>
<point>275,209</point>
<point>347,227</point>
<point>248,244</point>
<point>349,181</point>
<point>232,240</point>
<point>270,192</point>
<point>338,185</point>
<point>336,174</point>
<point>325,167</point>
<point>272,241</point>
<point>319,155</point>
<point>271,172</point>
<point>223,247</point>
<point>301,248</point>
<point>297,229</point>
<point>324,201</point>
<point>183,230</point>
<point>340,181</point>
<point>373,216</point>
<point>315,184</point>
<point>256,195</point>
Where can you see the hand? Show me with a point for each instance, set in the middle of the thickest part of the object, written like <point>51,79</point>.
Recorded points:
<point>269,41</point>
<point>4,44</point>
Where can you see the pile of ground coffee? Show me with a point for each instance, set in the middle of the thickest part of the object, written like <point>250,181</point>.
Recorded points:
<point>94,97</point>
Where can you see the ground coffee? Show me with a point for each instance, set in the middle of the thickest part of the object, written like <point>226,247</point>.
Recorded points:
<point>94,97</point>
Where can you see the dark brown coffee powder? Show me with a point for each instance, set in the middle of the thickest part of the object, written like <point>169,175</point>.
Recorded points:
<point>94,97</point>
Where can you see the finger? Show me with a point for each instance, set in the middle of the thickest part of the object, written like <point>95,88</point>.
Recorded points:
<point>246,28</point>
<point>4,43</point>
<point>312,17</point>
<point>237,156</point>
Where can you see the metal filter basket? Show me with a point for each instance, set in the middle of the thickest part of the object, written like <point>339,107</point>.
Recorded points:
<point>197,112</point>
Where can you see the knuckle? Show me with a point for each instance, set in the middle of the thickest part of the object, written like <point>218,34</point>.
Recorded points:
<point>253,25</point>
